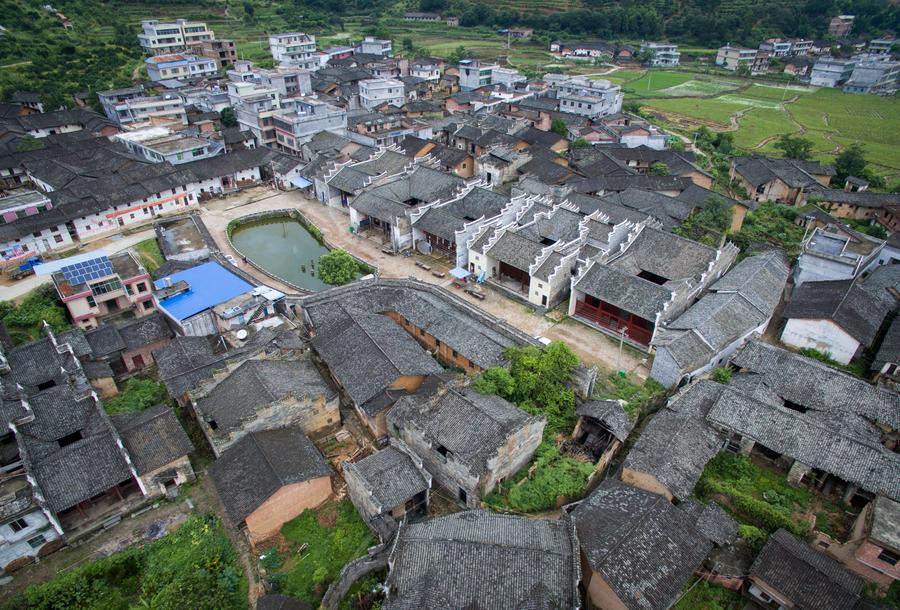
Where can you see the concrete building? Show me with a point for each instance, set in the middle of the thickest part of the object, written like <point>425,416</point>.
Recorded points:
<point>159,144</point>
<point>507,76</point>
<point>840,26</point>
<point>377,91</point>
<point>296,48</point>
<point>22,206</point>
<point>881,45</point>
<point>663,54</point>
<point>591,98</point>
<point>306,117</point>
<point>221,50</point>
<point>733,58</point>
<point>179,66</point>
<point>160,37</point>
<point>831,72</point>
<point>873,74</point>
<point>473,74</point>
<point>94,286</point>
<point>468,441</point>
<point>134,105</point>
<point>375,46</point>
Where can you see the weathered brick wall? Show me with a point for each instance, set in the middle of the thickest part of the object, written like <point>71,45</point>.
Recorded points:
<point>284,505</point>
<point>515,453</point>
<point>447,471</point>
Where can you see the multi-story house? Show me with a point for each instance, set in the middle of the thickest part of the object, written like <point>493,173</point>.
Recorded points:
<point>831,72</point>
<point>94,286</point>
<point>733,58</point>
<point>881,45</point>
<point>377,91</point>
<point>590,98</point>
<point>158,144</point>
<point>375,46</point>
<point>507,76</point>
<point>296,48</point>
<point>841,25</point>
<point>221,50</point>
<point>777,47</point>
<point>179,67</point>
<point>874,74</point>
<point>133,105</point>
<point>160,37</point>
<point>254,106</point>
<point>306,117</point>
<point>662,54</point>
<point>22,206</point>
<point>427,69</point>
<point>473,74</point>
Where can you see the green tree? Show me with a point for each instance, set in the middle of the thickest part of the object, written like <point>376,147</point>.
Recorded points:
<point>794,147</point>
<point>558,126</point>
<point>850,162</point>
<point>226,115</point>
<point>580,143</point>
<point>337,267</point>
<point>408,45</point>
<point>139,394</point>
<point>659,169</point>
<point>458,55</point>
<point>676,145</point>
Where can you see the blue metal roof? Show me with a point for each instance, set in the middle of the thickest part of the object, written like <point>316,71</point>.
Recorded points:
<point>300,182</point>
<point>210,284</point>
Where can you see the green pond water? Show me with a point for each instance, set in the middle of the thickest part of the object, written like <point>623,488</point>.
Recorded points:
<point>283,247</point>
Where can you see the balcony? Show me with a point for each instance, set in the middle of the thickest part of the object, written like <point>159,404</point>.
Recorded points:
<point>616,324</point>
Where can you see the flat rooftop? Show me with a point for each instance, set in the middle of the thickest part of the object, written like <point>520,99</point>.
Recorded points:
<point>210,284</point>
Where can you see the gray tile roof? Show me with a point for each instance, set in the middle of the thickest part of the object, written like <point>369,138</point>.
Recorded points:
<point>153,437</point>
<point>884,284</point>
<point>105,340</point>
<point>844,302</point>
<point>253,469</point>
<point>810,383</point>
<point>390,476</point>
<point>740,301</point>
<point>669,211</point>
<point>516,250</point>
<point>472,426</point>
<point>610,413</point>
<point>77,471</point>
<point>831,442</point>
<point>889,352</point>
<point>445,220</point>
<point>886,522</point>
<point>372,343</point>
<point>807,578</point>
<point>624,290</point>
<point>476,559</point>
<point>253,384</point>
<point>144,331</point>
<point>761,170</point>
<point>712,521</point>
<point>677,443</point>
<point>443,315</point>
<point>644,548</point>
<point>186,361</point>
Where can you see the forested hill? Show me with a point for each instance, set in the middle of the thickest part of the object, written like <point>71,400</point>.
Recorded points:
<point>702,22</point>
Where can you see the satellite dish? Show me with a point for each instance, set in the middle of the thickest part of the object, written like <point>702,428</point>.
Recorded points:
<point>424,247</point>
<point>241,334</point>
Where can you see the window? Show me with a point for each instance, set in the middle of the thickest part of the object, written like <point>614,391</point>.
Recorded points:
<point>46,385</point>
<point>652,277</point>
<point>18,525</point>
<point>58,238</point>
<point>37,541</point>
<point>148,305</point>
<point>91,302</point>
<point>888,557</point>
<point>213,424</point>
<point>142,287</point>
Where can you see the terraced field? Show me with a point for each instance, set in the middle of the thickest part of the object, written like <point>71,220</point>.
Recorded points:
<point>829,118</point>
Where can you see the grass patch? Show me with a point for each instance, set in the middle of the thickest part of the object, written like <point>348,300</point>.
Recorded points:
<point>321,543</point>
<point>636,395</point>
<point>25,320</point>
<point>196,566</point>
<point>654,80</point>
<point>702,595</point>
<point>150,255</point>
<point>139,394</point>
<point>698,88</point>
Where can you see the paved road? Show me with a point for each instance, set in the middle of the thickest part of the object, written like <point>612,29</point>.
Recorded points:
<point>18,288</point>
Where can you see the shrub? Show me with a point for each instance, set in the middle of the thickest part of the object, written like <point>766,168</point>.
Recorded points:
<point>722,375</point>
<point>337,267</point>
<point>139,394</point>
<point>753,536</point>
<point>25,321</point>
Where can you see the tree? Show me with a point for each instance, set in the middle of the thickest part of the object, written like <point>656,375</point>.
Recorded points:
<point>337,267</point>
<point>249,9</point>
<point>850,162</point>
<point>408,45</point>
<point>226,115</point>
<point>580,143</point>
<point>558,126</point>
<point>458,55</point>
<point>659,169</point>
<point>794,147</point>
<point>676,145</point>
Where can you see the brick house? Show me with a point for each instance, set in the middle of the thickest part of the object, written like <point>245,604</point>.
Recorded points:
<point>129,346</point>
<point>781,180</point>
<point>269,477</point>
